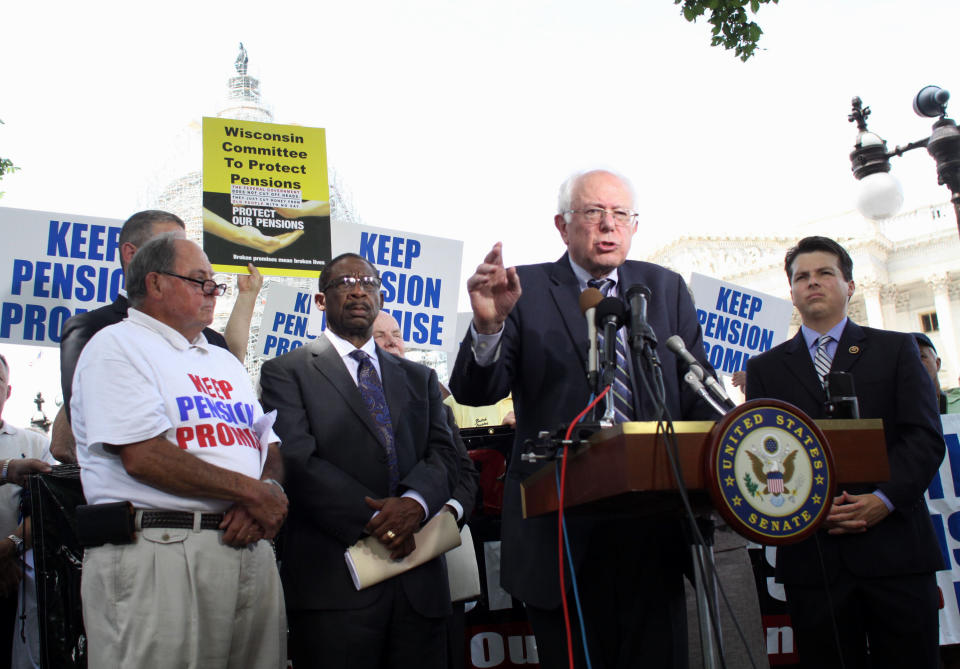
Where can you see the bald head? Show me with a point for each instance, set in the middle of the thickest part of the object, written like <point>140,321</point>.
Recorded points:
<point>386,332</point>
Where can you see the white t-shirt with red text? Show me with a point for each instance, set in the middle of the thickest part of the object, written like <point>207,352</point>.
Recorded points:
<point>139,379</point>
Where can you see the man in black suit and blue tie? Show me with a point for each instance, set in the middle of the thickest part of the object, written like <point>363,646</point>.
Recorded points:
<point>865,580</point>
<point>367,451</point>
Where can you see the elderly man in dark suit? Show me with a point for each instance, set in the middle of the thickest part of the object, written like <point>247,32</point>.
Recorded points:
<point>367,452</point>
<point>533,341</point>
<point>866,579</point>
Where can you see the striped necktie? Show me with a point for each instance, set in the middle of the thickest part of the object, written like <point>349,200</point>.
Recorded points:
<point>371,390</point>
<point>822,360</point>
<point>622,395</point>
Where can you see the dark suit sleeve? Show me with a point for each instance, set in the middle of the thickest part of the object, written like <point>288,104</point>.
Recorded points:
<point>318,489</point>
<point>466,490</point>
<point>915,443</point>
<point>755,387</point>
<point>482,385</point>
<point>76,333</point>
<point>435,474</point>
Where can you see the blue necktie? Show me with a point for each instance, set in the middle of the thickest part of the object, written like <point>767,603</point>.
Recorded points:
<point>622,394</point>
<point>371,390</point>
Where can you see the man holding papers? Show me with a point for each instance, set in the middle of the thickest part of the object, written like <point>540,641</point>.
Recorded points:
<point>367,453</point>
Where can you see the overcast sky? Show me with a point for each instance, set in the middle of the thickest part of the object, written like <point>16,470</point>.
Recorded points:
<point>460,118</point>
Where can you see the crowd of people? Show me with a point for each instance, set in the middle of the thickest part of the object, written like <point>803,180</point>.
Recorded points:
<point>191,474</point>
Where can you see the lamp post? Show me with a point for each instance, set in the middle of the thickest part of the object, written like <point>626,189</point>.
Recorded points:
<point>881,194</point>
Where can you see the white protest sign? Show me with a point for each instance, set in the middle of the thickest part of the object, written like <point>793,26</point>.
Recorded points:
<point>943,500</point>
<point>421,279</point>
<point>737,322</point>
<point>289,320</point>
<point>53,266</point>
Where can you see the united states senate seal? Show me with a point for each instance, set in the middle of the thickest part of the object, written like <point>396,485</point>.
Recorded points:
<point>770,472</point>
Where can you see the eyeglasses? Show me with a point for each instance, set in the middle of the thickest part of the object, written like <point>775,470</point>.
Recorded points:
<point>207,286</point>
<point>624,218</point>
<point>370,284</point>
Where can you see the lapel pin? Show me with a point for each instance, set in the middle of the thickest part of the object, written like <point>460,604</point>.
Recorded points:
<point>854,349</point>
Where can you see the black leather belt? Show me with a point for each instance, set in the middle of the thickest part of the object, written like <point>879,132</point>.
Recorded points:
<point>180,520</point>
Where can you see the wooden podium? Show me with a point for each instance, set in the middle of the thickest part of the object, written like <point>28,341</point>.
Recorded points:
<point>630,460</point>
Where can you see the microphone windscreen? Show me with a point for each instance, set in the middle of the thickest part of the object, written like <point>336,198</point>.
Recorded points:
<point>840,384</point>
<point>638,288</point>
<point>590,298</point>
<point>610,306</point>
<point>675,343</point>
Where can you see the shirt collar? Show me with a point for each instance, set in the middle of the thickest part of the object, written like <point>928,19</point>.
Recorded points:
<point>583,276</point>
<point>7,428</point>
<point>811,336</point>
<point>174,338</point>
<point>345,348</point>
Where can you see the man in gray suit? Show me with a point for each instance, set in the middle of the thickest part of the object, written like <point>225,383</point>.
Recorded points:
<point>368,452</point>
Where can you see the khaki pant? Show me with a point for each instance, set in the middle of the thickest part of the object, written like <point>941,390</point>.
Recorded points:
<point>182,599</point>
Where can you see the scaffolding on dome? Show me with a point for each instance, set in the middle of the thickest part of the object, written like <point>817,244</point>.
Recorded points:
<point>183,195</point>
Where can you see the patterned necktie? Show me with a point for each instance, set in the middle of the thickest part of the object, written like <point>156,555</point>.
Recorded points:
<point>822,359</point>
<point>371,390</point>
<point>622,394</point>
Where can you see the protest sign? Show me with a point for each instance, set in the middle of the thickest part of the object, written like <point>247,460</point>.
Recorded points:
<point>737,322</point>
<point>54,265</point>
<point>421,280</point>
<point>266,198</point>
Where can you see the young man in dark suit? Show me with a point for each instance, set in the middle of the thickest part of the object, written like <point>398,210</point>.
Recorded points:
<point>866,578</point>
<point>533,341</point>
<point>354,471</point>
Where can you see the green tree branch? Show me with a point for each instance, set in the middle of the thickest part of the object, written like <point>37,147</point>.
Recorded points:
<point>731,27</point>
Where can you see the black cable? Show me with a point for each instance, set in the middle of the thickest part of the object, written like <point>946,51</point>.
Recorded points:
<point>833,611</point>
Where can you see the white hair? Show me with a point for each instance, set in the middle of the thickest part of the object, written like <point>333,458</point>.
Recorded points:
<point>565,198</point>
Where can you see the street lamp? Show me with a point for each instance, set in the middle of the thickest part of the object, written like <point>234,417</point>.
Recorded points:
<point>880,193</point>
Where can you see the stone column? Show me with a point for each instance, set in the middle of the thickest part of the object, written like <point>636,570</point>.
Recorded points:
<point>870,290</point>
<point>940,285</point>
<point>888,305</point>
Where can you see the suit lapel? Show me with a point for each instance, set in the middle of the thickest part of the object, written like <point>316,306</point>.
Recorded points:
<point>798,361</point>
<point>565,291</point>
<point>396,388</point>
<point>394,385</point>
<point>327,361</point>
<point>849,348</point>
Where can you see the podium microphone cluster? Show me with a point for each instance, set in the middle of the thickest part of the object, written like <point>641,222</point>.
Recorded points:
<point>676,345</point>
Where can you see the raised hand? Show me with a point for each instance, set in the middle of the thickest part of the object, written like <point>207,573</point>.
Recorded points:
<point>494,290</point>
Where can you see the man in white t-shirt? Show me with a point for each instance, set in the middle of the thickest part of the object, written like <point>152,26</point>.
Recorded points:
<point>171,425</point>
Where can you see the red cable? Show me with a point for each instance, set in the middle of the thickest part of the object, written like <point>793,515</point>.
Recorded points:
<point>563,485</point>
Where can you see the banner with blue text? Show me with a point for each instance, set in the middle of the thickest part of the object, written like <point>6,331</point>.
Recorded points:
<point>54,265</point>
<point>737,322</point>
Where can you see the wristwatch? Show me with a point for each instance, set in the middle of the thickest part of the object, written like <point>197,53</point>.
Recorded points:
<point>17,542</point>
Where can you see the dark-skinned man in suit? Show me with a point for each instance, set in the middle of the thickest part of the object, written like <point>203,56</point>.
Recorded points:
<point>368,452</point>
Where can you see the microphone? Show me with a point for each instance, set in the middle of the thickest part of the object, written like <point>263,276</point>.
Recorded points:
<point>841,397</point>
<point>676,345</point>
<point>691,379</point>
<point>589,299</point>
<point>610,315</point>
<point>637,297</point>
